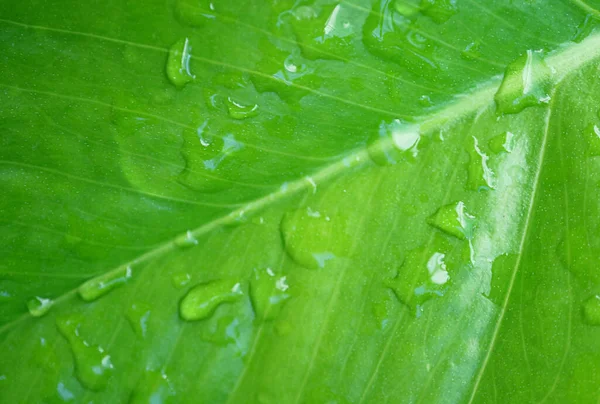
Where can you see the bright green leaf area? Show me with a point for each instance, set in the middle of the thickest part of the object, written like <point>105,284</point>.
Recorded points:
<point>284,201</point>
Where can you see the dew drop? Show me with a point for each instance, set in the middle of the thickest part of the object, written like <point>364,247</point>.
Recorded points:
<point>230,145</point>
<point>454,220</point>
<point>439,11</point>
<point>93,367</point>
<point>394,141</point>
<point>153,388</point>
<point>504,142</point>
<point>238,110</point>
<point>203,136</point>
<point>138,315</point>
<point>527,82</point>
<point>202,300</point>
<point>178,63</point>
<point>268,293</point>
<point>187,240</point>
<point>38,306</point>
<point>591,310</point>
<point>181,279</point>
<point>101,285</point>
<point>480,176</point>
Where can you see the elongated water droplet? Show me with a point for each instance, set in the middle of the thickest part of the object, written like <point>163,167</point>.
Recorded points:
<point>203,134</point>
<point>268,293</point>
<point>480,176</point>
<point>439,11</point>
<point>527,82</point>
<point>394,141</point>
<point>101,285</point>
<point>93,367</point>
<point>38,306</point>
<point>454,220</point>
<point>238,110</point>
<point>137,315</point>
<point>504,142</point>
<point>202,300</point>
<point>187,240</point>
<point>591,310</point>
<point>181,279</point>
<point>178,63</point>
<point>154,387</point>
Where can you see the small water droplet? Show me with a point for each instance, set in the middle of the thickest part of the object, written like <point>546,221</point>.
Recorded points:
<point>421,277</point>
<point>238,110</point>
<point>138,315</point>
<point>439,11</point>
<point>593,138</point>
<point>202,300</point>
<point>527,82</point>
<point>471,51</point>
<point>504,142</point>
<point>425,101</point>
<point>591,310</point>
<point>454,220</point>
<point>480,176</point>
<point>187,240</point>
<point>203,136</point>
<point>178,63</point>
<point>101,285</point>
<point>93,367</point>
<point>180,279</point>
<point>394,141</point>
<point>154,387</point>
<point>268,293</point>
<point>38,306</point>
<point>322,258</point>
<point>313,184</point>
<point>589,24</point>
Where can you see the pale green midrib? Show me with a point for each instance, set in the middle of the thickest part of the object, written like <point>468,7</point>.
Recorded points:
<point>563,61</point>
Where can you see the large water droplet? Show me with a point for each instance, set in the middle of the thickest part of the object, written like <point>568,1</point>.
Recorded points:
<point>421,277</point>
<point>268,293</point>
<point>480,176</point>
<point>178,63</point>
<point>202,300</point>
<point>137,315</point>
<point>454,220</point>
<point>394,141</point>
<point>591,310</point>
<point>439,11</point>
<point>153,388</point>
<point>93,367</point>
<point>504,142</point>
<point>38,306</point>
<point>527,82</point>
<point>239,110</point>
<point>101,285</point>
<point>194,12</point>
<point>181,279</point>
<point>312,240</point>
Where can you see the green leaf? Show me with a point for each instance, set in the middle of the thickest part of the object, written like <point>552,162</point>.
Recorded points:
<point>300,202</point>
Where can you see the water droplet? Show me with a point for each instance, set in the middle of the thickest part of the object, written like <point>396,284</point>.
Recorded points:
<point>223,330</point>
<point>202,300</point>
<point>313,240</point>
<point>101,285</point>
<point>581,261</point>
<point>527,82</point>
<point>178,63</point>
<point>593,139</point>
<point>504,142</point>
<point>586,27</point>
<point>268,293</point>
<point>454,220</point>
<point>425,101</point>
<point>230,145</point>
<point>138,315</point>
<point>439,11</point>
<point>38,306</point>
<point>480,176</point>
<point>591,310</point>
<point>180,279</point>
<point>313,184</point>
<point>187,240</point>
<point>238,110</point>
<point>93,367</point>
<point>471,51</point>
<point>64,393</point>
<point>203,136</point>
<point>408,9</point>
<point>153,388</point>
<point>394,141</point>
<point>422,276</point>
